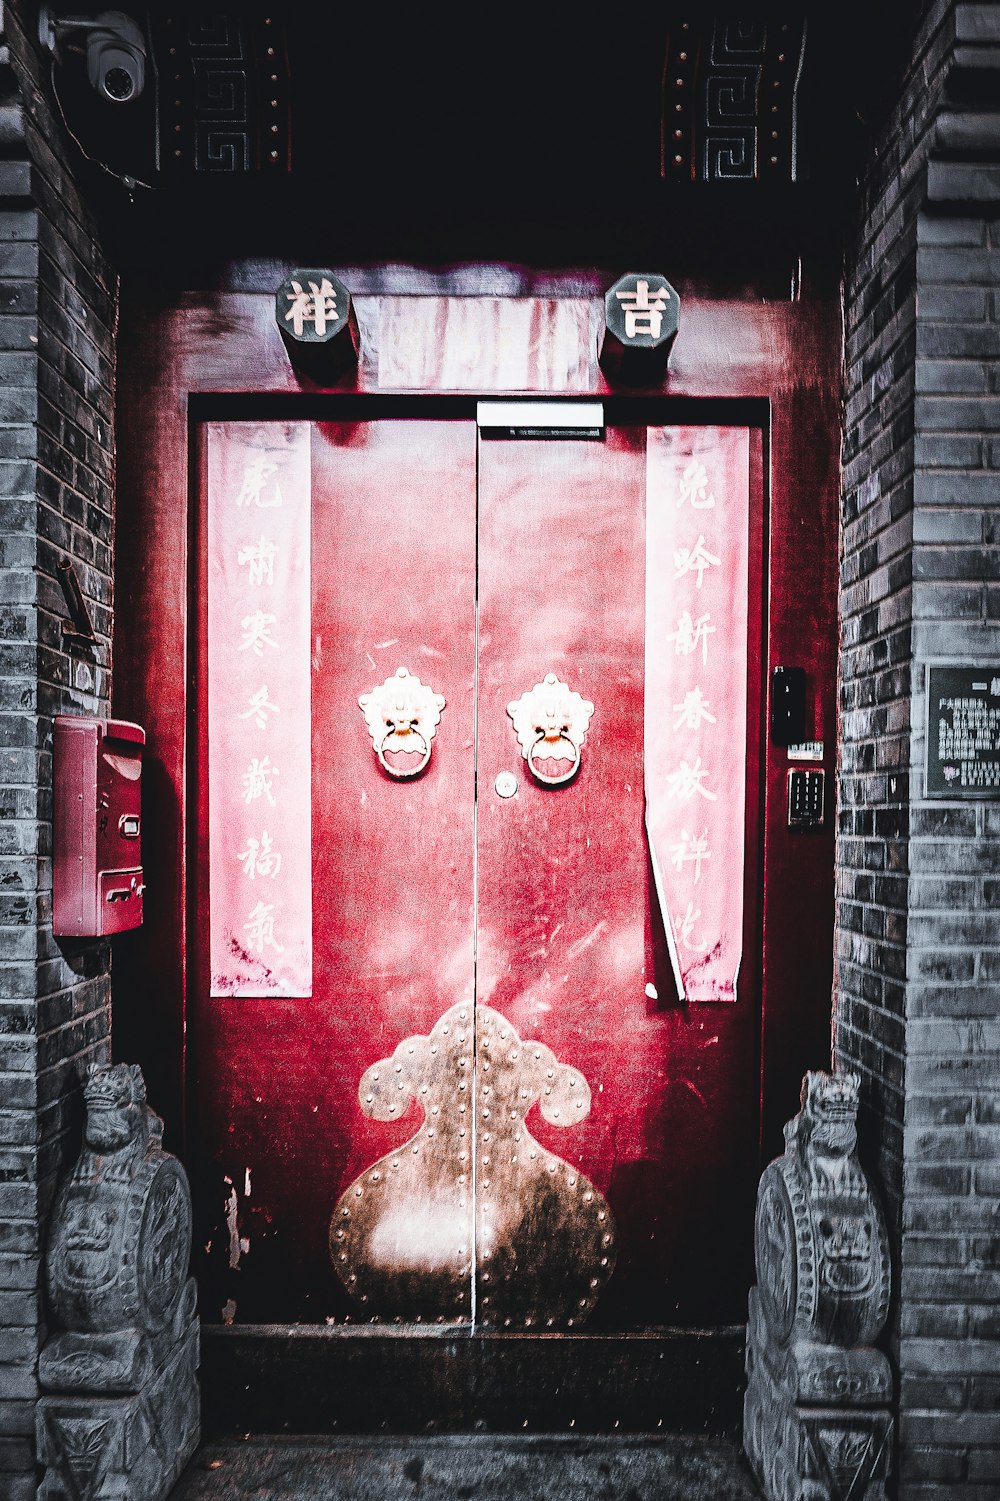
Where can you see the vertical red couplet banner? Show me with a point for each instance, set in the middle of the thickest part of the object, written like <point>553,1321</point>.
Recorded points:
<point>697,509</point>
<point>260,841</point>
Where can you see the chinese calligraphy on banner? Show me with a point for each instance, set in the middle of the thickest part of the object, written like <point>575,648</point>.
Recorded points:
<point>259,710</point>
<point>697,490</point>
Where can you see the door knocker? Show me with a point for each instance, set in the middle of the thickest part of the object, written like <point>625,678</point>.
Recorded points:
<point>402,715</point>
<point>551,724</point>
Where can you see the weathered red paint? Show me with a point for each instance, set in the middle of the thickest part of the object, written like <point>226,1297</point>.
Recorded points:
<point>550,928</point>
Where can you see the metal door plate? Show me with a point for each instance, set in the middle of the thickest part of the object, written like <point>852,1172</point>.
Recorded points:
<point>401,1234</point>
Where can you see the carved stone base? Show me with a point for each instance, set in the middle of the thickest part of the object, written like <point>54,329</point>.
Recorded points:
<point>814,1453</point>
<point>130,1447</point>
<point>813,1429</point>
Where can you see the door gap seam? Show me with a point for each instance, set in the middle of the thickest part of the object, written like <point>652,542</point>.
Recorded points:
<point>474,1134</point>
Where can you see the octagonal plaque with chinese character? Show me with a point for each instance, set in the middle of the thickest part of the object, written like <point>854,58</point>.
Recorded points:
<point>315,316</point>
<point>642,315</point>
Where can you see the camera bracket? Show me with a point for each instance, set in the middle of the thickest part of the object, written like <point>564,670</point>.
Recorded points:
<point>115,46</point>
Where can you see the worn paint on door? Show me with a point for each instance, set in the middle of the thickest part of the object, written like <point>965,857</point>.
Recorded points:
<point>480,567</point>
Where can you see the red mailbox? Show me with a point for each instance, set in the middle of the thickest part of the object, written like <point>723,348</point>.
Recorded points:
<point>97,880</point>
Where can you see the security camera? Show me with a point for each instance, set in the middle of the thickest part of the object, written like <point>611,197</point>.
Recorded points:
<point>116,57</point>
<point>116,50</point>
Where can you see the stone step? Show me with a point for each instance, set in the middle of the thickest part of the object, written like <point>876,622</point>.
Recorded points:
<point>475,1467</point>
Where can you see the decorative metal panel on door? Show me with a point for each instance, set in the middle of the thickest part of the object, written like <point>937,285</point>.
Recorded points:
<point>497,1104</point>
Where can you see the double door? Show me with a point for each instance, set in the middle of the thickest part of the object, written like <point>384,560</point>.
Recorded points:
<point>474,849</point>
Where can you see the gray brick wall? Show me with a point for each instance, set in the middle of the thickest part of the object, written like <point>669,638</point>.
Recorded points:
<point>917,1007</point>
<point>877,612</point>
<point>57,313</point>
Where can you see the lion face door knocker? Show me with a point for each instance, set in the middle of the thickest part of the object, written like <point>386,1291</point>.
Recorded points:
<point>551,723</point>
<point>402,715</point>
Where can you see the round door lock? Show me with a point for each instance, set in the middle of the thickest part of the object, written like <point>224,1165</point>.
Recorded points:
<point>506,784</point>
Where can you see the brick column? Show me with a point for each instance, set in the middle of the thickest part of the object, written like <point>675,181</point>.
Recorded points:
<point>57,313</point>
<point>917,1008</point>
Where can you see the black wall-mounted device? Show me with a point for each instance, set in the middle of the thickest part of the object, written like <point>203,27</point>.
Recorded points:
<point>788,705</point>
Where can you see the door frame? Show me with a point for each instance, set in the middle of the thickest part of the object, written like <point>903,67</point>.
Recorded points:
<point>770,367</point>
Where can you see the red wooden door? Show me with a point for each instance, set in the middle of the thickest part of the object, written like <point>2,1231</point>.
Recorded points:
<point>571,946</point>
<point>485,937</point>
<point>393,584</point>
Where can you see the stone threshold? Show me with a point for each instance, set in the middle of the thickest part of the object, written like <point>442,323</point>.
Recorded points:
<point>307,1379</point>
<point>474,1467</point>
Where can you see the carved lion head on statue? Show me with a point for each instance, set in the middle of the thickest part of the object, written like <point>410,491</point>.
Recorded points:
<point>829,1115</point>
<point>115,1096</point>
